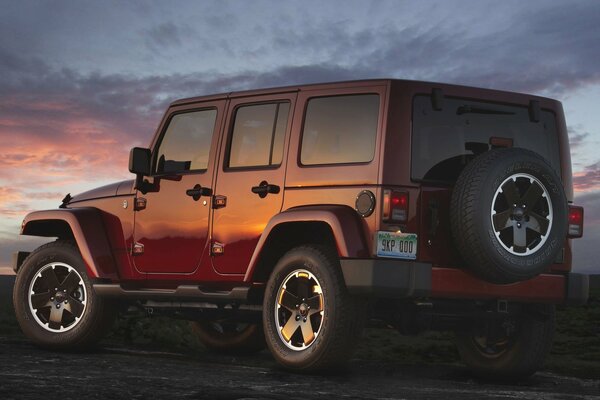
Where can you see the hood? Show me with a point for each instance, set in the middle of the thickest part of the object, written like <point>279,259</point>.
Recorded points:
<point>110,190</point>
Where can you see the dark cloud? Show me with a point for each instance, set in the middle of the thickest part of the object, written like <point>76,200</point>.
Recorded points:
<point>547,50</point>
<point>577,137</point>
<point>167,36</point>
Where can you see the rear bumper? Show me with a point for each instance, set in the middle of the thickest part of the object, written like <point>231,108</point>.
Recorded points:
<point>409,279</point>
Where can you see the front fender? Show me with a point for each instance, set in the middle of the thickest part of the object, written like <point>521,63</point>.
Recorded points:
<point>86,227</point>
<point>344,222</point>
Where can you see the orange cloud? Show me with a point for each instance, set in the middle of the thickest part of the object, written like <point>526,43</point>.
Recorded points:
<point>588,180</point>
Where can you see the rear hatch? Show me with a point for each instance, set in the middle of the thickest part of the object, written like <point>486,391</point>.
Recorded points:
<point>449,132</point>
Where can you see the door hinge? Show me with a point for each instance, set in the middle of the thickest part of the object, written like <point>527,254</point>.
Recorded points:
<point>219,201</point>
<point>217,249</point>
<point>140,203</point>
<point>137,249</point>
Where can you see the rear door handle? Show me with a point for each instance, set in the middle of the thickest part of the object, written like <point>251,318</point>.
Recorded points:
<point>197,191</point>
<point>265,188</point>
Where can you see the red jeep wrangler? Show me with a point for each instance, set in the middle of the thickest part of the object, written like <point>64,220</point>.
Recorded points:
<point>289,215</point>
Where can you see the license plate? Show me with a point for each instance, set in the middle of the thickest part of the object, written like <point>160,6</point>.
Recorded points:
<point>396,245</point>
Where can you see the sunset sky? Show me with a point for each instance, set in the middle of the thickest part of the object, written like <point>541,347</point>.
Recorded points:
<point>81,82</point>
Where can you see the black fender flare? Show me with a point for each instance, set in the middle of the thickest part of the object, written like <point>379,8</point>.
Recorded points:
<point>86,227</point>
<point>344,222</point>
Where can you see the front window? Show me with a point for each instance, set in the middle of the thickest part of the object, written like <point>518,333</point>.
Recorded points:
<point>186,143</point>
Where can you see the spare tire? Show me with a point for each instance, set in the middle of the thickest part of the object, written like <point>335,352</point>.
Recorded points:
<point>508,215</point>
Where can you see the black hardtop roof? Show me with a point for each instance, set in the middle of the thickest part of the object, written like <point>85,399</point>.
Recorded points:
<point>350,83</point>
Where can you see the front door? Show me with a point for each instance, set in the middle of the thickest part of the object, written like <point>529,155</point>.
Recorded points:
<point>250,178</point>
<point>171,232</point>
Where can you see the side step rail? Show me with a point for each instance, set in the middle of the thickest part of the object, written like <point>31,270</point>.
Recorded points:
<point>181,292</point>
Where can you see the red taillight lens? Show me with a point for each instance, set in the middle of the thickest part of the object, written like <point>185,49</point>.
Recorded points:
<point>575,222</point>
<point>395,206</point>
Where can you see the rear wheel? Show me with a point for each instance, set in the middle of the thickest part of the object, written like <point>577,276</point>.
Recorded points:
<point>311,322</point>
<point>230,337</point>
<point>511,349</point>
<point>54,301</point>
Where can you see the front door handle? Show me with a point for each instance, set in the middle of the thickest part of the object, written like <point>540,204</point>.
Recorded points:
<point>198,191</point>
<point>265,188</point>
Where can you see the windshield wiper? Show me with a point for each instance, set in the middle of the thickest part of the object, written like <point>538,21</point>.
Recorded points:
<point>479,110</point>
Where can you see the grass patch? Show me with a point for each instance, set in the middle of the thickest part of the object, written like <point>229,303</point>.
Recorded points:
<point>576,349</point>
<point>158,332</point>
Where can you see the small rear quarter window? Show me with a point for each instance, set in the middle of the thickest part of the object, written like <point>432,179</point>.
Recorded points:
<point>340,129</point>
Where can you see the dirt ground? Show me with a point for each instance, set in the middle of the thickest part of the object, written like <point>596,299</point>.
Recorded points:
<point>27,372</point>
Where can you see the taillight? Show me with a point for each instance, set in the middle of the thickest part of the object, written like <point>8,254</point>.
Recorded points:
<point>395,206</point>
<point>575,222</point>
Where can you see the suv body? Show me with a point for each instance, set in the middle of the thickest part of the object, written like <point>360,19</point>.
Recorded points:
<point>364,174</point>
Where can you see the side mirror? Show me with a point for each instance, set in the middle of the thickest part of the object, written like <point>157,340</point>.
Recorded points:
<point>139,161</point>
<point>139,164</point>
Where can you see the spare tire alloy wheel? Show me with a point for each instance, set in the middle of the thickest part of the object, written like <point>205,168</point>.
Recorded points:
<point>521,222</point>
<point>508,215</point>
<point>299,309</point>
<point>57,297</point>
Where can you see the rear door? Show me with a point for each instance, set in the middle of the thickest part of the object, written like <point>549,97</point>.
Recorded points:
<point>250,179</point>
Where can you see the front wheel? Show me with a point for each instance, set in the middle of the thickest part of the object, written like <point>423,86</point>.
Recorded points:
<point>510,349</point>
<point>54,301</point>
<point>311,322</point>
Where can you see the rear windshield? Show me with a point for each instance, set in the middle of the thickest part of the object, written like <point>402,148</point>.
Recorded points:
<point>444,141</point>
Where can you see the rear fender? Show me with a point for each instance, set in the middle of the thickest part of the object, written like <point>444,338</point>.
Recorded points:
<point>85,226</point>
<point>345,224</point>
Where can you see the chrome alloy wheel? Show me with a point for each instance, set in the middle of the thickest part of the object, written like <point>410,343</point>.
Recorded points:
<point>299,310</point>
<point>521,214</point>
<point>57,297</point>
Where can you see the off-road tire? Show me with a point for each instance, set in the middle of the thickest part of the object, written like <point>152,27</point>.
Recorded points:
<point>524,355</point>
<point>342,319</point>
<point>247,340</point>
<point>96,318</point>
<point>472,222</point>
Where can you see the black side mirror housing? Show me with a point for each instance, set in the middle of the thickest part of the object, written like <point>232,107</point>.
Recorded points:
<point>139,161</point>
<point>139,164</point>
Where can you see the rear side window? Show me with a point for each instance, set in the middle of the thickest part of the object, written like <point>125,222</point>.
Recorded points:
<point>340,129</point>
<point>185,144</point>
<point>444,141</point>
<point>258,135</point>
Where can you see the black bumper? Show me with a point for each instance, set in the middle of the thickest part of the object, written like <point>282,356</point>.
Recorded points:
<point>387,278</point>
<point>403,279</point>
